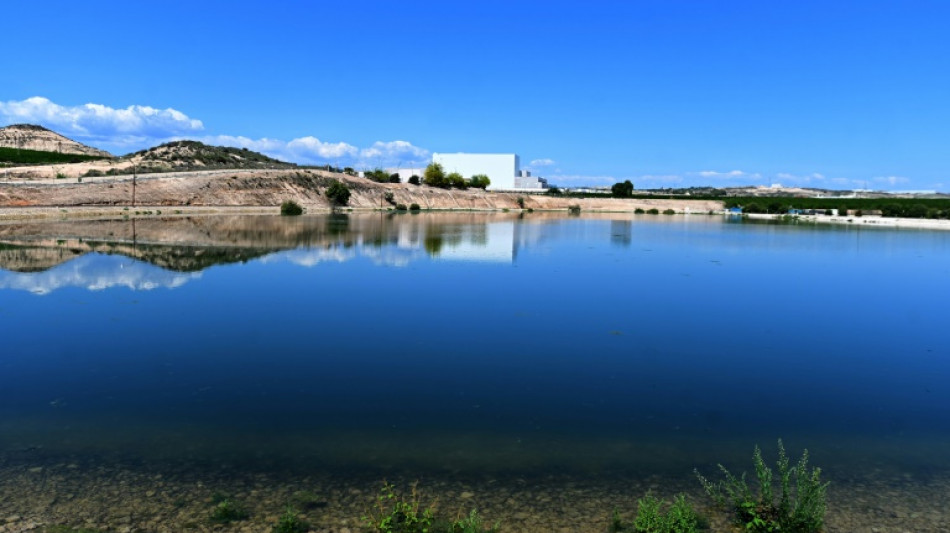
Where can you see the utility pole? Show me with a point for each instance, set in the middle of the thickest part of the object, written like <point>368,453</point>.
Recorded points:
<point>133,184</point>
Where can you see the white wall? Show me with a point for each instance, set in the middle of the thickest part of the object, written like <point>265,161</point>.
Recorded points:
<point>500,168</point>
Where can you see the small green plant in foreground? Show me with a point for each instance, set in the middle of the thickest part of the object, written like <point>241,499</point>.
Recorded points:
<point>290,522</point>
<point>801,510</point>
<point>290,208</point>
<point>679,517</point>
<point>228,510</point>
<point>392,514</point>
<point>471,524</point>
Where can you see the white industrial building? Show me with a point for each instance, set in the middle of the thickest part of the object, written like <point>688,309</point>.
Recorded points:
<point>504,170</point>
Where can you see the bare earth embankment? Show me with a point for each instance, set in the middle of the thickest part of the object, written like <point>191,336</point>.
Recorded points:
<point>262,191</point>
<point>212,190</point>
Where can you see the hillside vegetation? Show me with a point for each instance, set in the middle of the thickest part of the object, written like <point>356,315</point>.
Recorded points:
<point>194,155</point>
<point>14,156</point>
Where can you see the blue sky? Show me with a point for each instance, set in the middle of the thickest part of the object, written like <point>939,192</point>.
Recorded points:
<point>665,93</point>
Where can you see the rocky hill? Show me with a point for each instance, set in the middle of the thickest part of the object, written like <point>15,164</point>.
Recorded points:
<point>194,155</point>
<point>38,138</point>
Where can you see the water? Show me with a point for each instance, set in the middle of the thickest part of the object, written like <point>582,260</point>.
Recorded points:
<point>475,350</point>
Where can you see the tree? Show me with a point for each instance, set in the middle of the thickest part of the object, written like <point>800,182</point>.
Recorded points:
<point>455,179</point>
<point>622,190</point>
<point>479,181</point>
<point>414,180</point>
<point>394,178</point>
<point>338,193</point>
<point>434,175</point>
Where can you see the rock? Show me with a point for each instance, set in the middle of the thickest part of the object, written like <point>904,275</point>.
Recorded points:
<point>467,495</point>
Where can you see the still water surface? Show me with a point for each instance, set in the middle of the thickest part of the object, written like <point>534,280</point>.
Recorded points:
<point>455,345</point>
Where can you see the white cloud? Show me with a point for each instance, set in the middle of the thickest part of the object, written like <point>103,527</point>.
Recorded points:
<point>728,175</point>
<point>541,162</point>
<point>311,150</point>
<point>311,147</point>
<point>129,125</point>
<point>394,153</point>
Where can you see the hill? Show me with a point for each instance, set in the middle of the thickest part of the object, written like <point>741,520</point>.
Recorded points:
<point>30,137</point>
<point>194,155</point>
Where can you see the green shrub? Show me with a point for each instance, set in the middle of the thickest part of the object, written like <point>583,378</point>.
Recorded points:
<point>92,173</point>
<point>290,208</point>
<point>843,211</point>
<point>479,181</point>
<point>60,176</point>
<point>338,193</point>
<point>414,180</point>
<point>389,197</point>
<point>574,209</point>
<point>401,207</point>
<point>554,191</point>
<point>801,510</point>
<point>520,201</point>
<point>653,211</point>
<point>669,212</point>
<point>454,179</point>
<point>414,207</point>
<point>639,211</point>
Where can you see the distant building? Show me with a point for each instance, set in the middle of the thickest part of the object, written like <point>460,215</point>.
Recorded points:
<point>504,170</point>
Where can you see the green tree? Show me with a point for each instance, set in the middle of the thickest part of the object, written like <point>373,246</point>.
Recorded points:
<point>338,193</point>
<point>434,175</point>
<point>622,190</point>
<point>480,181</point>
<point>414,180</point>
<point>454,179</point>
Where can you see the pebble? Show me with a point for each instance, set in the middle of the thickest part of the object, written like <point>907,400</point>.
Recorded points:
<point>467,495</point>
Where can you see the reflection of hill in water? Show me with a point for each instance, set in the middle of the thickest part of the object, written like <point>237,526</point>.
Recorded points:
<point>191,244</point>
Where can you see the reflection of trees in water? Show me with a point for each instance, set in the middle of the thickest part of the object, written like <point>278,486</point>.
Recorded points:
<point>621,232</point>
<point>433,244</point>
<point>190,244</point>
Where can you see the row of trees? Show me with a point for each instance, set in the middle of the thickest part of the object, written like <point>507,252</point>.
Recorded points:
<point>435,176</point>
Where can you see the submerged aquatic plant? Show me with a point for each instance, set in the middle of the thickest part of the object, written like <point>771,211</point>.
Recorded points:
<point>801,510</point>
<point>392,514</point>
<point>678,518</point>
<point>290,522</point>
<point>471,524</point>
<point>228,510</point>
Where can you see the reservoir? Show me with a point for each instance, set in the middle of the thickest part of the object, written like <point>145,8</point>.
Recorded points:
<point>545,369</point>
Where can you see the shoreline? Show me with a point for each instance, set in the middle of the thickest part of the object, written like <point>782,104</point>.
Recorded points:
<point>49,213</point>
